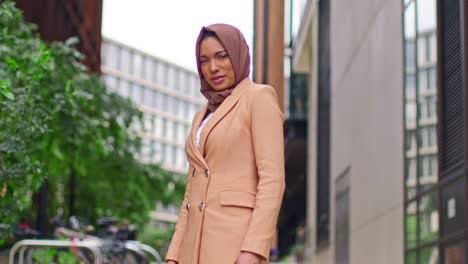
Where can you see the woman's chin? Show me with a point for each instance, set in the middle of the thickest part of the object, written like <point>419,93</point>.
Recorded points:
<point>221,86</point>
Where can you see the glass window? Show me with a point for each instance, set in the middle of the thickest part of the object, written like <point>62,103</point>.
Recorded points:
<point>195,87</point>
<point>411,258</point>
<point>428,54</point>
<point>113,56</point>
<point>125,61</point>
<point>422,53</point>
<point>431,134</point>
<point>412,170</point>
<point>410,86</point>
<point>170,104</point>
<point>410,178</point>
<point>180,133</point>
<point>137,92</point>
<point>420,169</point>
<point>427,16</point>
<point>164,104</point>
<point>421,138</point>
<point>409,141</point>
<point>422,209</point>
<point>433,108</point>
<point>428,218</point>
<point>169,155</point>
<point>429,255</point>
<point>157,100</point>
<point>164,126</point>
<point>184,110</point>
<point>174,153</point>
<point>411,225</point>
<point>410,111</point>
<point>177,107</point>
<point>149,69</point>
<point>422,79</point>
<point>124,88</point>
<point>105,52</point>
<point>176,80</point>
<point>148,97</point>
<point>433,48</point>
<point>410,54</point>
<point>185,83</point>
<point>137,68</point>
<point>158,127</point>
<point>170,77</point>
<point>160,73</point>
<point>157,151</point>
<point>169,129</point>
<point>432,78</point>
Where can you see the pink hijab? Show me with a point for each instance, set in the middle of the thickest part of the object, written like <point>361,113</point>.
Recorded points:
<point>238,51</point>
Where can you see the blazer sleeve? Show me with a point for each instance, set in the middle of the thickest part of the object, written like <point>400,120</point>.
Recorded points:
<point>267,137</point>
<point>176,242</point>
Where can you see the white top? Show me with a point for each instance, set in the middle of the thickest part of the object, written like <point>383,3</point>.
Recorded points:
<point>200,128</point>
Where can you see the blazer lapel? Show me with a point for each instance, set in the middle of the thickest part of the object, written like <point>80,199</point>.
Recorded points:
<point>222,111</point>
<point>191,141</point>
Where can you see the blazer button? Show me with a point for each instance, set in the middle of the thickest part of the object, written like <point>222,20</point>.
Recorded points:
<point>187,205</point>
<point>193,173</point>
<point>201,206</point>
<point>207,173</point>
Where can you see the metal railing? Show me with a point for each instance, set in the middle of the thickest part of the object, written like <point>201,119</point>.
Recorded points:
<point>23,245</point>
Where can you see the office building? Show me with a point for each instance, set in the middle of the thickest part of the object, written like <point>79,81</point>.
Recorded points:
<point>387,131</point>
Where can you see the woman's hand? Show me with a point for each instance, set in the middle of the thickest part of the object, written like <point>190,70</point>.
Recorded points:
<point>171,262</point>
<point>247,258</point>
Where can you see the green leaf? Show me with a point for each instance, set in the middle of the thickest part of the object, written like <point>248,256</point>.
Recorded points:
<point>8,94</point>
<point>67,87</point>
<point>57,152</point>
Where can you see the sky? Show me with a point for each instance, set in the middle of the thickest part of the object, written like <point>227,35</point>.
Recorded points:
<point>168,29</point>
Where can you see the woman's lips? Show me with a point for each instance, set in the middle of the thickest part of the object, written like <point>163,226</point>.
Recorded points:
<point>217,79</point>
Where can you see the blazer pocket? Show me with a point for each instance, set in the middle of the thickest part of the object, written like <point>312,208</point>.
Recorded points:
<point>237,198</point>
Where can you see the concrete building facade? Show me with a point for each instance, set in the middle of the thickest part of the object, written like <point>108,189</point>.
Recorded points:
<point>355,162</point>
<point>387,130</point>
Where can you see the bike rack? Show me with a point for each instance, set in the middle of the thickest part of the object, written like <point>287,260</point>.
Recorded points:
<point>24,244</point>
<point>152,251</point>
<point>138,246</point>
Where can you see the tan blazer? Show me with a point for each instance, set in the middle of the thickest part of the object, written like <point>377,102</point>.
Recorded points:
<point>236,180</point>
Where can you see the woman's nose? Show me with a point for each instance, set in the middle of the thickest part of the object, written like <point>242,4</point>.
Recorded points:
<point>213,66</point>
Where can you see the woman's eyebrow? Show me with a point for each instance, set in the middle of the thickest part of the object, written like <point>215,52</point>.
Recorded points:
<point>216,53</point>
<point>219,52</point>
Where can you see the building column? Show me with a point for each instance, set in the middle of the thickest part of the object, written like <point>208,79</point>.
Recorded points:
<point>268,48</point>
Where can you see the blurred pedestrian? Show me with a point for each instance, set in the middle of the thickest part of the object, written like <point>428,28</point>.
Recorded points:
<point>236,155</point>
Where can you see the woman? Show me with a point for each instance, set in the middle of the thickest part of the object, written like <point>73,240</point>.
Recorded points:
<point>236,155</point>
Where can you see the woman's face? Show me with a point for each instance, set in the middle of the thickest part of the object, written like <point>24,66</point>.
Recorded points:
<point>215,64</point>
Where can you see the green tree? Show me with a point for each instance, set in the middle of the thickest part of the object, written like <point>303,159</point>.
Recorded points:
<point>59,123</point>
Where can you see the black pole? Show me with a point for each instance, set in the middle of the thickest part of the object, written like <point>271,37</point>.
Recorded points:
<point>71,193</point>
<point>42,209</point>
